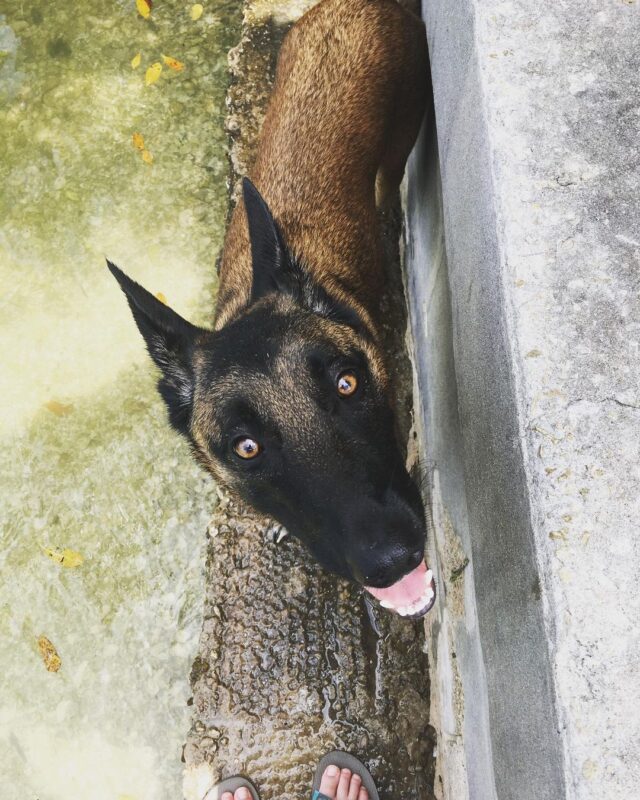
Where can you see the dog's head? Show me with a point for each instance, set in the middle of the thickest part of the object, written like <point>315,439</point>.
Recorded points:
<point>288,405</point>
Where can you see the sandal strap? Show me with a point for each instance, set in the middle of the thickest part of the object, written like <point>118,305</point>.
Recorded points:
<point>317,795</point>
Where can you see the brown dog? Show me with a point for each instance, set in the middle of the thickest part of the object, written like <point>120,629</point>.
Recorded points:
<point>287,400</point>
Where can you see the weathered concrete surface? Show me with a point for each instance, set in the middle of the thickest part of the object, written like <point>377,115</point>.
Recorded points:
<point>291,664</point>
<point>526,349</point>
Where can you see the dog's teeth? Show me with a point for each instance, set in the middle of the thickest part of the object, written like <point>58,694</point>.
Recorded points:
<point>415,607</point>
<point>428,576</point>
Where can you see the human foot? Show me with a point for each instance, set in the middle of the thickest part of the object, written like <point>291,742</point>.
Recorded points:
<point>339,784</point>
<point>242,793</point>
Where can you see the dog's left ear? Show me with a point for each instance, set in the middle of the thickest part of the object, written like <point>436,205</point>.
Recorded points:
<point>275,270</point>
<point>170,340</point>
<point>269,258</point>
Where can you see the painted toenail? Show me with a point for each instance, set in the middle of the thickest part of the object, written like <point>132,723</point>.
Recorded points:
<point>332,771</point>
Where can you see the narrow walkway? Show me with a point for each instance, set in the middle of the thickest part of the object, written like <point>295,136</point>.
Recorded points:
<point>291,664</point>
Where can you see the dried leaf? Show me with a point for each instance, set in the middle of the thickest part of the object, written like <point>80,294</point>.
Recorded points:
<point>71,558</point>
<point>59,409</point>
<point>144,8</point>
<point>147,157</point>
<point>153,73</point>
<point>196,11</point>
<point>52,660</point>
<point>161,298</point>
<point>173,63</point>
<point>138,141</point>
<point>52,554</point>
<point>66,558</point>
<point>135,61</point>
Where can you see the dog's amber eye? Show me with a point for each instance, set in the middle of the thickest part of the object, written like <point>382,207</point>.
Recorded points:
<point>347,383</point>
<point>246,447</point>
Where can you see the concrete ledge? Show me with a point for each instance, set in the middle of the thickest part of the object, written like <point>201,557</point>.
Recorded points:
<point>522,285</point>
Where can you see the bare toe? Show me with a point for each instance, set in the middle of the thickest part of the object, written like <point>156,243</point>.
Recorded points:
<point>329,782</point>
<point>343,784</point>
<point>363,794</point>
<point>242,794</point>
<point>226,796</point>
<point>354,787</point>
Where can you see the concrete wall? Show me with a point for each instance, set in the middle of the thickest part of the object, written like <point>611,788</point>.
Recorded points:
<point>522,283</point>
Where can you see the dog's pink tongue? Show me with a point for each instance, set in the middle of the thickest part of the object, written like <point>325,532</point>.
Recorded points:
<point>404,592</point>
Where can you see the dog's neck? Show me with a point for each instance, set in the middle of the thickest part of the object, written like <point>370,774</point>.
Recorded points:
<point>347,267</point>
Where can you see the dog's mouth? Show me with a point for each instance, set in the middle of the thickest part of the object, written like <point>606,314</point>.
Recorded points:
<point>411,596</point>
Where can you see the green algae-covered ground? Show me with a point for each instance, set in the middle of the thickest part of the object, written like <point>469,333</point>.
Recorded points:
<point>86,458</point>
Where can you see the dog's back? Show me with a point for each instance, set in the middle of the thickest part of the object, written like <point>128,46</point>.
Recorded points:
<point>343,115</point>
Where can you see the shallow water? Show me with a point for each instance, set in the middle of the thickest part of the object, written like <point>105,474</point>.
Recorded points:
<point>86,458</point>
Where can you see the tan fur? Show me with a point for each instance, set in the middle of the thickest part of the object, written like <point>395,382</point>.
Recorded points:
<point>274,395</point>
<point>345,110</point>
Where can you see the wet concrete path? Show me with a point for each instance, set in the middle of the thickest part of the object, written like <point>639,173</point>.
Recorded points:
<point>292,663</point>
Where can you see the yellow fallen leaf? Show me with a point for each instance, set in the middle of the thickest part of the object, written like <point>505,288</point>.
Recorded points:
<point>153,73</point>
<point>59,409</point>
<point>52,660</point>
<point>66,558</point>
<point>52,554</point>
<point>144,8</point>
<point>135,61</point>
<point>71,558</point>
<point>161,298</point>
<point>147,157</point>
<point>173,63</point>
<point>196,11</point>
<point>138,141</point>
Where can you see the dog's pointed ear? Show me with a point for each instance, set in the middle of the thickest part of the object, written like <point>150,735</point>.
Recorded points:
<point>276,270</point>
<point>170,340</point>
<point>268,255</point>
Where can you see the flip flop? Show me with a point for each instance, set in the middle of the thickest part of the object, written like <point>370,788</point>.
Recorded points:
<point>344,761</point>
<point>232,785</point>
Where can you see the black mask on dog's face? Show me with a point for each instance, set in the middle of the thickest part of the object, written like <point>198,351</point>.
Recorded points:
<point>287,404</point>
